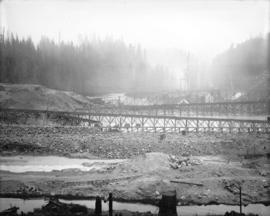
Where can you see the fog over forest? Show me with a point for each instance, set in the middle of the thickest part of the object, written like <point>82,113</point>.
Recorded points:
<point>92,67</point>
<point>106,66</point>
<point>157,56</point>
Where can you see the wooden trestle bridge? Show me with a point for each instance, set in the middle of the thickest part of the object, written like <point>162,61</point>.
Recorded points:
<point>247,108</point>
<point>151,120</point>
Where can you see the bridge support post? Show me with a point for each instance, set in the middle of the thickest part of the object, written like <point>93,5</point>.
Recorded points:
<point>186,125</point>
<point>164,125</point>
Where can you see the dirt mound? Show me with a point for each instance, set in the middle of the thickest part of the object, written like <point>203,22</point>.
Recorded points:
<point>150,162</point>
<point>28,96</point>
<point>156,162</point>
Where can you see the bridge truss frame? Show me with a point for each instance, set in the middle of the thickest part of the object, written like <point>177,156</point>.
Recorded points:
<point>150,123</point>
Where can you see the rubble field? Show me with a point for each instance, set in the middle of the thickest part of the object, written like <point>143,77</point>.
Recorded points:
<point>203,168</point>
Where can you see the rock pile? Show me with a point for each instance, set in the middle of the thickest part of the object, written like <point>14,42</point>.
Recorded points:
<point>179,162</point>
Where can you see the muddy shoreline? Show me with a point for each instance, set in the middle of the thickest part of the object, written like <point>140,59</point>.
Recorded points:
<point>141,201</point>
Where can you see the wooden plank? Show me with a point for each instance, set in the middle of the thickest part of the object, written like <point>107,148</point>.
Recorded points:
<point>185,182</point>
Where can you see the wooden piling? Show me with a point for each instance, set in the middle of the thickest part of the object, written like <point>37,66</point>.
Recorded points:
<point>167,205</point>
<point>98,206</point>
<point>110,204</point>
<point>240,196</point>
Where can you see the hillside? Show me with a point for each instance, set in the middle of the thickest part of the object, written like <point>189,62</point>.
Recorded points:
<point>242,66</point>
<point>28,96</point>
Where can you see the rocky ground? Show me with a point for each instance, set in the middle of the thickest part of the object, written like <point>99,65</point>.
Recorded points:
<point>83,141</point>
<point>202,168</point>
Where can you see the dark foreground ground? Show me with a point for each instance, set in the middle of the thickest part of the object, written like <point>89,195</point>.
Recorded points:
<point>56,208</point>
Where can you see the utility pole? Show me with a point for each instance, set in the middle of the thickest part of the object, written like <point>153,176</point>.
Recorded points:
<point>2,42</point>
<point>187,75</point>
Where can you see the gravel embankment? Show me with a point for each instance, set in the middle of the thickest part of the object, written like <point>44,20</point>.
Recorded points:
<point>81,140</point>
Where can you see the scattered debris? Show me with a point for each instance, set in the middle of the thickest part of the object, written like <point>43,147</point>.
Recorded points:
<point>26,189</point>
<point>233,213</point>
<point>231,186</point>
<point>10,212</point>
<point>55,207</point>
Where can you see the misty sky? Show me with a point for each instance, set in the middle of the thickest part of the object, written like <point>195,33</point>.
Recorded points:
<point>204,28</point>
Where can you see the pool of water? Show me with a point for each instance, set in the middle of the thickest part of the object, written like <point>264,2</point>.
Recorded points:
<point>29,205</point>
<point>19,164</point>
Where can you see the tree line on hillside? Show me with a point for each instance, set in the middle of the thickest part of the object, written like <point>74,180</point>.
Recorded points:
<point>106,66</point>
<point>244,66</point>
<point>99,66</point>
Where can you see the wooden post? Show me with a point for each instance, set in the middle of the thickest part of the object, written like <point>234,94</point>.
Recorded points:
<point>110,204</point>
<point>120,123</point>
<point>164,125</point>
<point>167,205</point>
<point>89,120</point>
<point>98,206</point>
<point>240,193</point>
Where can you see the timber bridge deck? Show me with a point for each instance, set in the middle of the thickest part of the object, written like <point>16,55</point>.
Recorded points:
<point>246,108</point>
<point>133,121</point>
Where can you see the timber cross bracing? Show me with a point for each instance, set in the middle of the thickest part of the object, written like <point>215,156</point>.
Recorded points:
<point>177,124</point>
<point>151,123</point>
<point>195,109</point>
